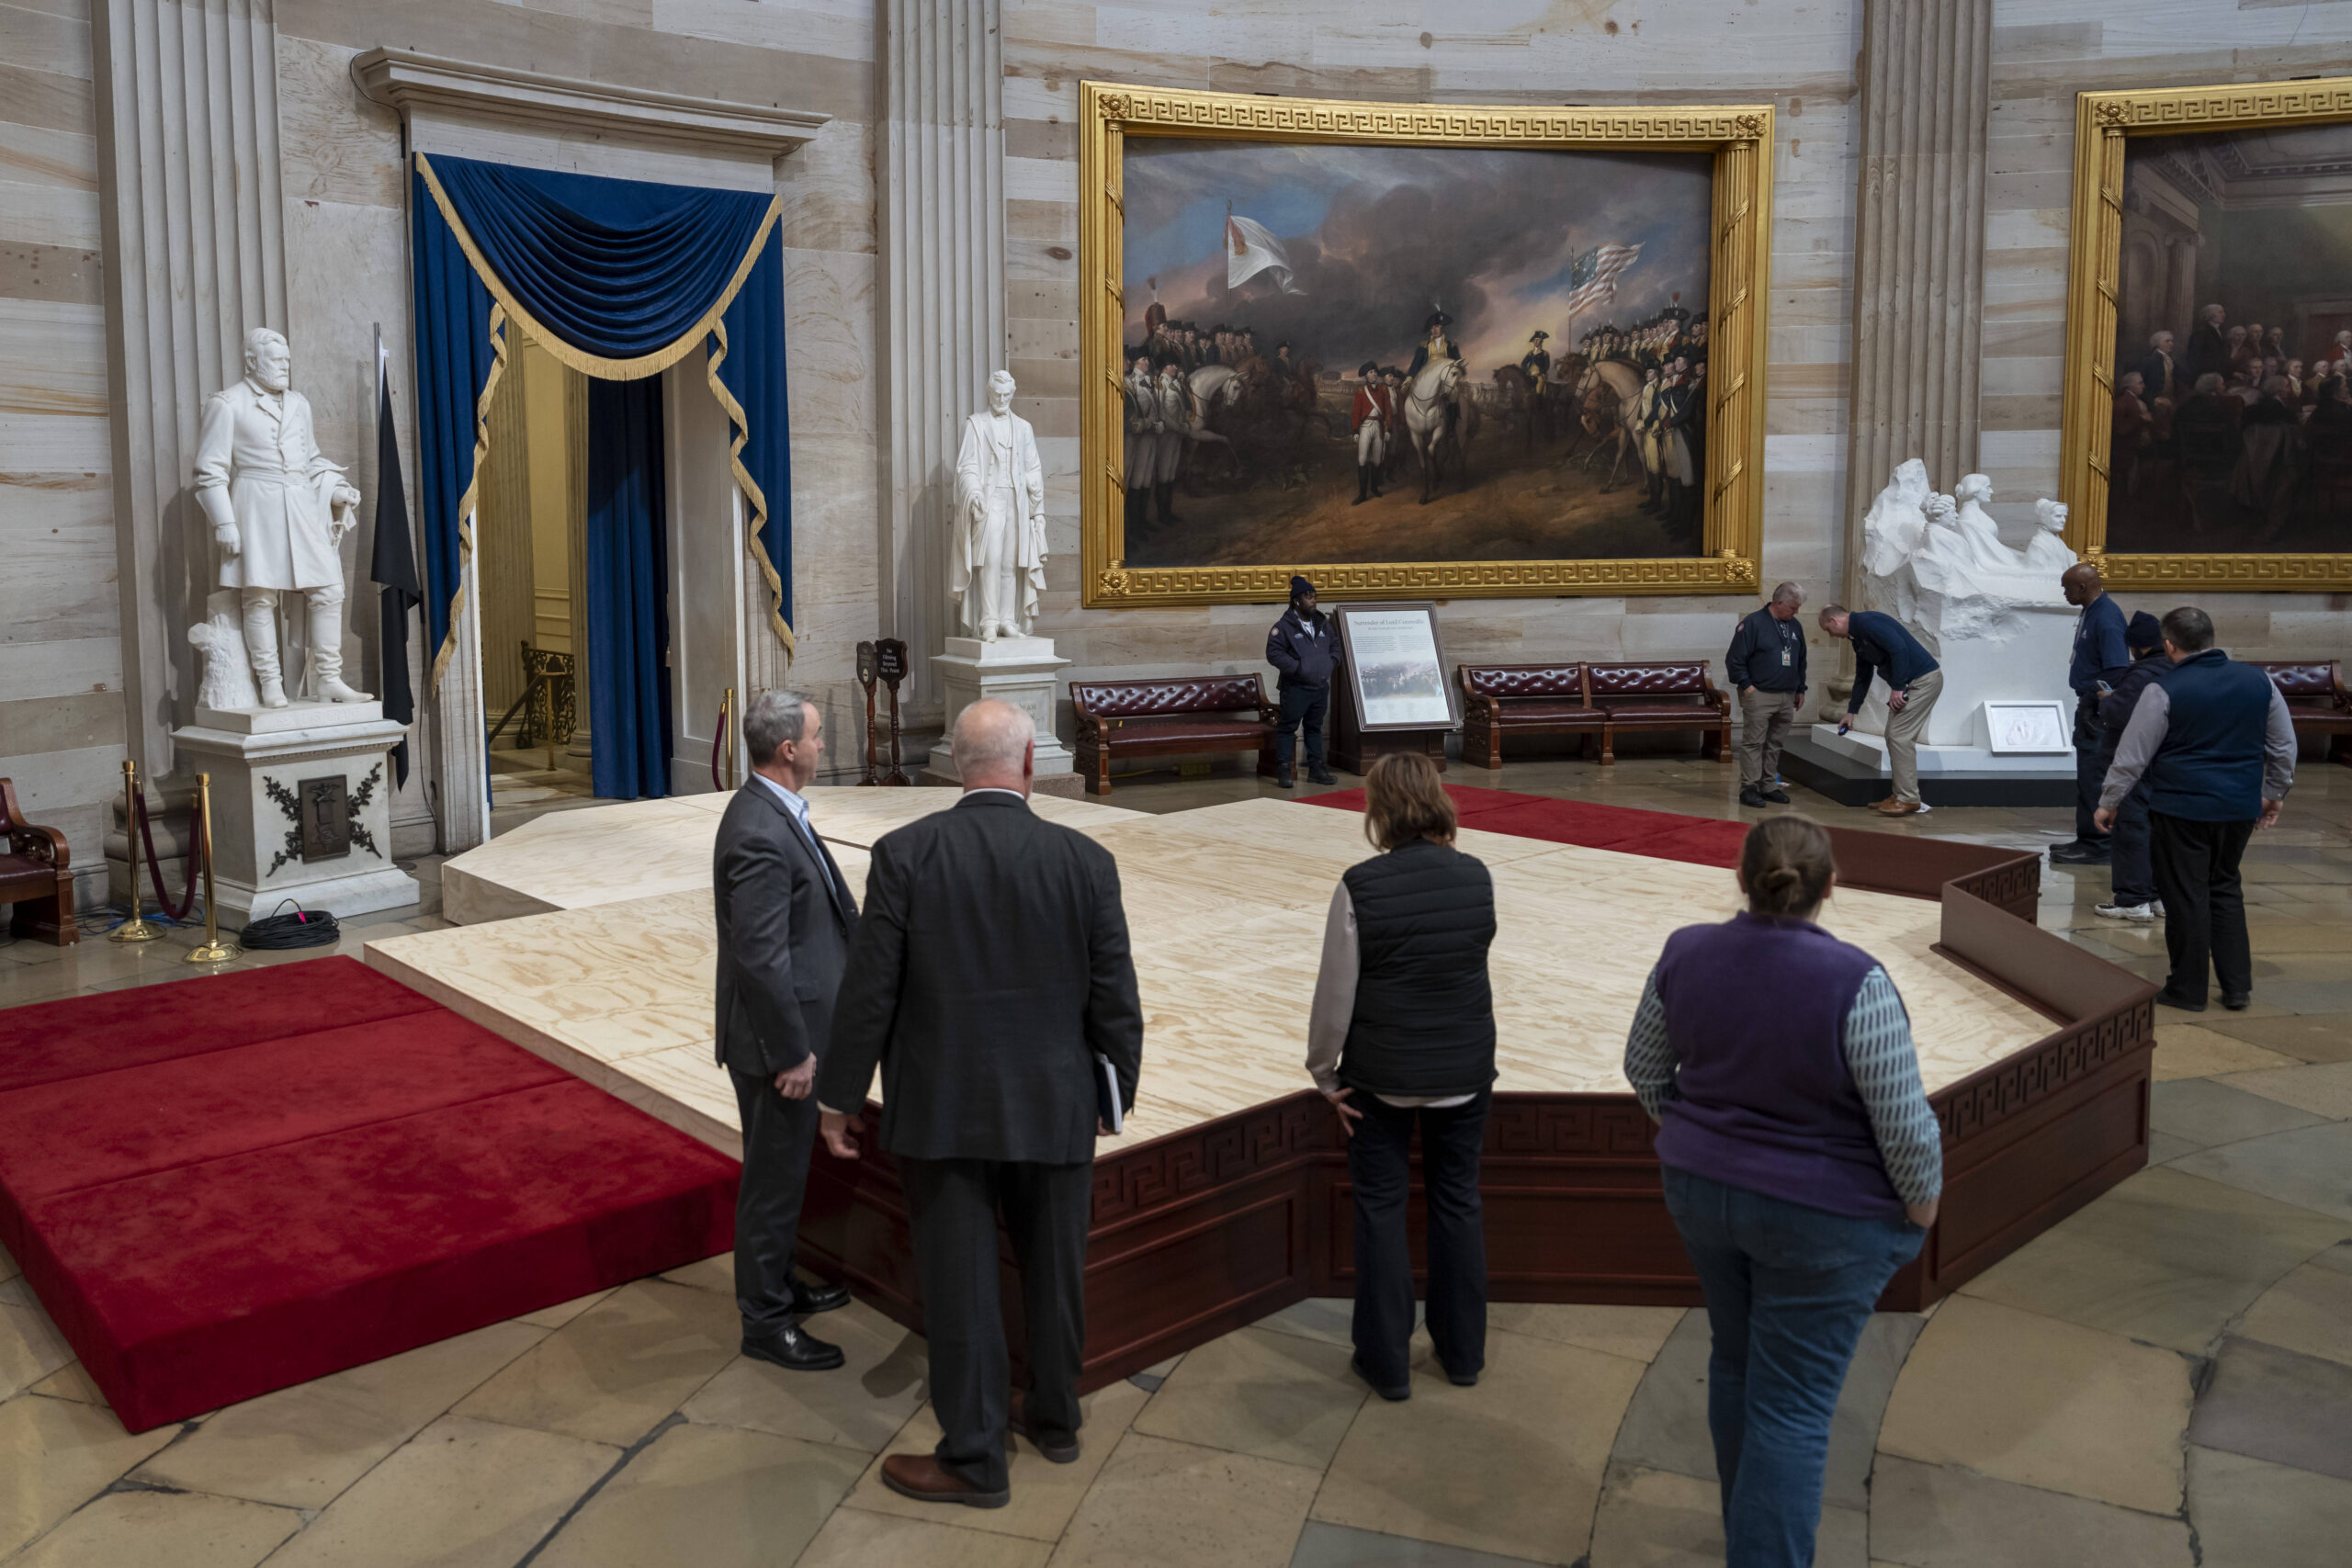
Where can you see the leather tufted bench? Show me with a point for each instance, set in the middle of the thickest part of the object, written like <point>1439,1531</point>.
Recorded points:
<point>35,876</point>
<point>1524,699</point>
<point>1660,696</point>
<point>1179,716</point>
<point>2316,697</point>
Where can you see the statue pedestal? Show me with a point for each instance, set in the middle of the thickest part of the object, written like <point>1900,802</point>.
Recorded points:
<point>301,807</point>
<point>1016,669</point>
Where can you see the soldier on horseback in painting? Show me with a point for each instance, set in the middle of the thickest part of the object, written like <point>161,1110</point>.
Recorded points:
<point>1537,365</point>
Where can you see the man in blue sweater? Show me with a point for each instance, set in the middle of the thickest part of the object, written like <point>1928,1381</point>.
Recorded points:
<point>1883,645</point>
<point>1766,663</point>
<point>2100,658</point>
<point>2216,745</point>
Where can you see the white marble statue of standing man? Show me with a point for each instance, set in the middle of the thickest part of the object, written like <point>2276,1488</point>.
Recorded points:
<point>279,510</point>
<point>998,567</point>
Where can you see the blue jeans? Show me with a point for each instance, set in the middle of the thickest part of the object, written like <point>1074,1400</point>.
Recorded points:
<point>1788,1290</point>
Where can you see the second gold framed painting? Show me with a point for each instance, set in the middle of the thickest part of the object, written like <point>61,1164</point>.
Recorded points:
<point>1417,351</point>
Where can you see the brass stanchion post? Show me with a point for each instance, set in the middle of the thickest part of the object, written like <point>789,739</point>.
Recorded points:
<point>214,950</point>
<point>139,927</point>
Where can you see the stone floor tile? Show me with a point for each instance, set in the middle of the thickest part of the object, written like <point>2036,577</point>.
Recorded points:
<point>2276,1404</point>
<point>612,1373</point>
<point>2027,1398</point>
<point>1160,1502</point>
<point>1665,1425</point>
<point>1637,1332</point>
<point>2164,1147</point>
<point>1044,1494</point>
<point>2187,1051</point>
<point>1337,1546</point>
<point>70,1382</point>
<point>2306,996</point>
<point>1651,1518</point>
<point>2308,1312</point>
<point>2251,1513</point>
<point>1327,1318</point>
<point>1926,1516</point>
<point>185,1529</point>
<point>30,1346</point>
<point>301,1447</point>
<point>715,1272</point>
<point>1512,1466</point>
<point>562,1313</point>
<point>855,1538</point>
<point>2311,1167</point>
<point>2166,1257</point>
<point>861,1406</point>
<point>712,1496</point>
<point>8,1269</point>
<point>2208,1111</point>
<point>1278,1397</point>
<point>2314,1037</point>
<point>461,1493</point>
<point>2325,1090</point>
<point>57,1455</point>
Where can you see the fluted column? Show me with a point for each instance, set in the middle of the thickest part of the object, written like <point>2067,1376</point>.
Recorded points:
<point>943,318</point>
<point>195,256</point>
<point>1918,248</point>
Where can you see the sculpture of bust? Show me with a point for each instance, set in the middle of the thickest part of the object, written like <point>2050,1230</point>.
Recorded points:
<point>996,559</point>
<point>2048,551</point>
<point>278,512</point>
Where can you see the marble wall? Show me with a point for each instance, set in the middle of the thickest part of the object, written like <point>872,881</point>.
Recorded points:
<point>2044,52</point>
<point>61,653</point>
<point>1798,54</point>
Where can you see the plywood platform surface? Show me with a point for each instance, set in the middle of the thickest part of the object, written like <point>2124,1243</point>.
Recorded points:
<point>1225,907</point>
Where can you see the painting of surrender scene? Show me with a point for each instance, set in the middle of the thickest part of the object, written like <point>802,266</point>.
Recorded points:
<point>1362,354</point>
<point>2232,424</point>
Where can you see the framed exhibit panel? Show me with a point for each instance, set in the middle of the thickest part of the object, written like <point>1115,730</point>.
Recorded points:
<point>2023,729</point>
<point>2208,423</point>
<point>1419,350</point>
<point>1395,668</point>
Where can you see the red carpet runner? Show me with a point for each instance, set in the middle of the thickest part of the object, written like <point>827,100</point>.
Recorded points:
<point>1661,835</point>
<point>226,1185</point>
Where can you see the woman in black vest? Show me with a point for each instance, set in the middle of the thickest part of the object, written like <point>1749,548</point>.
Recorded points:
<point>1403,1029</point>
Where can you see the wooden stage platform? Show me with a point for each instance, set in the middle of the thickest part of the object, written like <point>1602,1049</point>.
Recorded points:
<point>1228,1199</point>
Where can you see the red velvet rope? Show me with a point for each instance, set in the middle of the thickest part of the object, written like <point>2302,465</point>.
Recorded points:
<point>718,744</point>
<point>155,867</point>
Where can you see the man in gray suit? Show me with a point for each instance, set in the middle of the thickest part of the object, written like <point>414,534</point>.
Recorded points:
<point>784,920</point>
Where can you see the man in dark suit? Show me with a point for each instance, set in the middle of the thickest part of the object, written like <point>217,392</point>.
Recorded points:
<point>990,970</point>
<point>784,920</point>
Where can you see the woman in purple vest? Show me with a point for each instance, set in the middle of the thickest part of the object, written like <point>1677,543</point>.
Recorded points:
<point>1802,1165</point>
<point>1403,1032</point>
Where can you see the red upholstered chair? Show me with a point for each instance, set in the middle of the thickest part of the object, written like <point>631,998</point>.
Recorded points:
<point>1525,699</point>
<point>34,875</point>
<point>1182,715</point>
<point>2316,698</point>
<point>1660,696</point>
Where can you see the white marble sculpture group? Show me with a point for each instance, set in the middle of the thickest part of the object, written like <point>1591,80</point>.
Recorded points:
<point>279,510</point>
<point>1996,617</point>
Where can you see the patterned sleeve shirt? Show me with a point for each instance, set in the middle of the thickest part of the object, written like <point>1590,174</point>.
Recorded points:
<point>1880,1055</point>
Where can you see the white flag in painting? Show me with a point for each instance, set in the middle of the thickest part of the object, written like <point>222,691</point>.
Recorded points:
<point>1250,250</point>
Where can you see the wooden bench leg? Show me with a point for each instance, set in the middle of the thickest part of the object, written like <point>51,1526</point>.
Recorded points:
<point>1097,770</point>
<point>1608,745</point>
<point>48,919</point>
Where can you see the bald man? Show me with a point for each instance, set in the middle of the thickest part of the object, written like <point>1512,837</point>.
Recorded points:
<point>990,979</point>
<point>2101,656</point>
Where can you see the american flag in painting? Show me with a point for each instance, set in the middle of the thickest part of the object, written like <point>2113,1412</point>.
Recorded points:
<point>1594,275</point>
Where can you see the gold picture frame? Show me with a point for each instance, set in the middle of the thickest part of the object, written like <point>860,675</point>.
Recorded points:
<point>2103,123</point>
<point>1739,135</point>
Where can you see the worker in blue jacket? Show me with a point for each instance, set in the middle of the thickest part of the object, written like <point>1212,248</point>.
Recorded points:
<point>1301,650</point>
<point>2100,661</point>
<point>1884,645</point>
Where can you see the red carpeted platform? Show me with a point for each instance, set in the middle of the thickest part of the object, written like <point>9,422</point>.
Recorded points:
<point>1661,835</point>
<point>228,1184</point>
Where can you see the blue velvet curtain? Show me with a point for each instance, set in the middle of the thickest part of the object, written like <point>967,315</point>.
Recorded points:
<point>629,593</point>
<point>618,278</point>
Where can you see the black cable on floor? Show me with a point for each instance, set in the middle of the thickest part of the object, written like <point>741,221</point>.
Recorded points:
<point>304,927</point>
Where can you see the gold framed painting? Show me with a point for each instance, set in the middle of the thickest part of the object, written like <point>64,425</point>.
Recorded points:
<point>1419,350</point>
<point>2207,433</point>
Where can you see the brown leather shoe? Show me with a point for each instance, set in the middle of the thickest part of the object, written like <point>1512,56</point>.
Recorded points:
<point>1059,1447</point>
<point>1891,806</point>
<point>919,1476</point>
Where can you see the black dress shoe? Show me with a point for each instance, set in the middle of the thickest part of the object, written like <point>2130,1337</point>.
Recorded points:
<point>1461,1379</point>
<point>1390,1392</point>
<point>2237,1000</point>
<point>1777,796</point>
<point>2080,853</point>
<point>1283,779</point>
<point>1751,798</point>
<point>2186,1004</point>
<point>1322,776</point>
<point>794,1349</point>
<point>812,1296</point>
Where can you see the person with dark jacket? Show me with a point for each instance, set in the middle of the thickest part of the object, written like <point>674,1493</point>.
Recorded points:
<point>2134,880</point>
<point>2216,746</point>
<point>991,980</point>
<point>1802,1165</point>
<point>1883,645</point>
<point>1402,1031</point>
<point>1766,663</point>
<point>1303,653</point>
<point>2098,660</point>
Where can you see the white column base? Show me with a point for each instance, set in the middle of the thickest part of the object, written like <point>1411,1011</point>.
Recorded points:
<point>1019,671</point>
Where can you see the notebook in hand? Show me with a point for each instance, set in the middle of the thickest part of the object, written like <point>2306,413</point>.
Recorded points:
<point>1106,1094</point>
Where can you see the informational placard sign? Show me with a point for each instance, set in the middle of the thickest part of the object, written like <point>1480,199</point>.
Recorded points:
<point>2026,728</point>
<point>1399,672</point>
